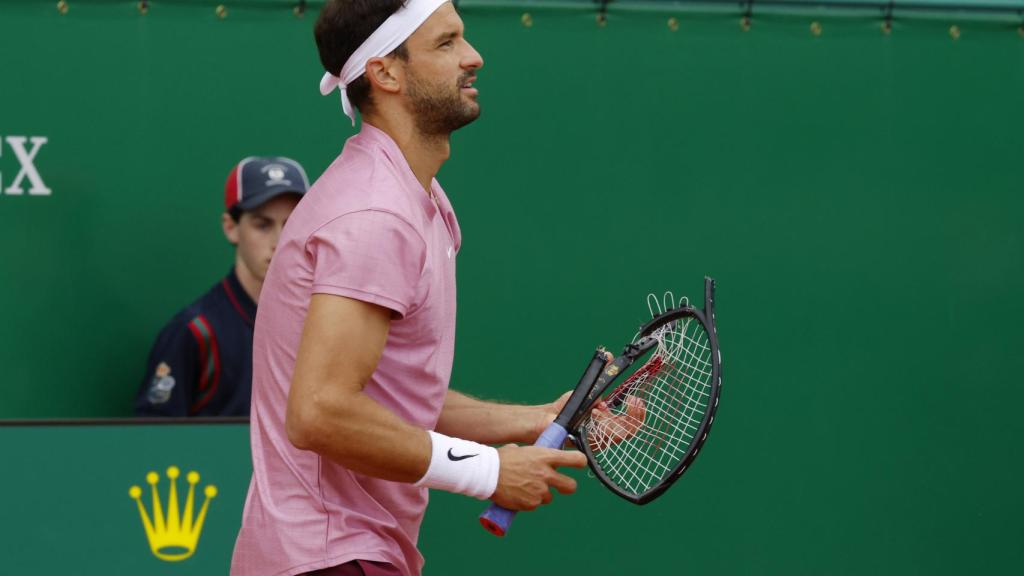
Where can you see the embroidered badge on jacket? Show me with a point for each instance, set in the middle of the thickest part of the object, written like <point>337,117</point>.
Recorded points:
<point>163,383</point>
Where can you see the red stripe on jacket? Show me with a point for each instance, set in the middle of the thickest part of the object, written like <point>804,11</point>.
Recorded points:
<point>206,383</point>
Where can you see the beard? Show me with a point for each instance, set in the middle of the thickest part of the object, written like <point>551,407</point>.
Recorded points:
<point>440,109</point>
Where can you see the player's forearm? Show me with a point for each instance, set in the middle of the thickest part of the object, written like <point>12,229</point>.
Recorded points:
<point>491,422</point>
<point>361,435</point>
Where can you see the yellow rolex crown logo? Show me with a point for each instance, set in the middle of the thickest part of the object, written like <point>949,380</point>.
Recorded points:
<point>173,536</point>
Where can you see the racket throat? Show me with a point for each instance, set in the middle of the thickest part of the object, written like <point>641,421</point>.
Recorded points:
<point>580,398</point>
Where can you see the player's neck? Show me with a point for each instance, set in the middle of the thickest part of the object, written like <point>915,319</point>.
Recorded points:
<point>250,283</point>
<point>425,154</point>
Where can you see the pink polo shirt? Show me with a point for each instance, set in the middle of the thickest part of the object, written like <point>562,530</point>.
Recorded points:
<point>365,230</point>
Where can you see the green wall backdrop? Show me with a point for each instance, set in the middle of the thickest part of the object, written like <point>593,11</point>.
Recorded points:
<point>856,194</point>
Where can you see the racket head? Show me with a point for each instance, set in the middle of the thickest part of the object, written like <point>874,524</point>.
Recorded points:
<point>662,411</point>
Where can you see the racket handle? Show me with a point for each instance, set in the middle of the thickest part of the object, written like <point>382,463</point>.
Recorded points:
<point>496,519</point>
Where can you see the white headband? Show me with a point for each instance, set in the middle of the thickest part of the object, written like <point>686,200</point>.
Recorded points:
<point>395,30</point>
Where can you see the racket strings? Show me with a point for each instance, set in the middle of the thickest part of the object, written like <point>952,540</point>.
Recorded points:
<point>655,414</point>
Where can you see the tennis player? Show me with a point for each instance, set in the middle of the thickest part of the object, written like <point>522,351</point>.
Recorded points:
<point>352,418</point>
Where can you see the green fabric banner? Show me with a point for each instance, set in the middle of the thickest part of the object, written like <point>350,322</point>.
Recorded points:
<point>855,192</point>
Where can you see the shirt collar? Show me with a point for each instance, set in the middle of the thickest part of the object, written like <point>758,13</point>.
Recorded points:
<point>395,155</point>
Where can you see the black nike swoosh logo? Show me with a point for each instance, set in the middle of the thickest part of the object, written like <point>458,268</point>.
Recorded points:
<point>455,458</point>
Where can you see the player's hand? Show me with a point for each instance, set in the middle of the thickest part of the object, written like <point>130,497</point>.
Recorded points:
<point>548,412</point>
<point>528,473</point>
<point>609,428</point>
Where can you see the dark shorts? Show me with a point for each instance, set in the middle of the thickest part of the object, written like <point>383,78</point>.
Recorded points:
<point>358,568</point>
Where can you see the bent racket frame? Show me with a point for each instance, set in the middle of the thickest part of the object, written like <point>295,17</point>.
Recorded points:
<point>647,338</point>
<point>597,378</point>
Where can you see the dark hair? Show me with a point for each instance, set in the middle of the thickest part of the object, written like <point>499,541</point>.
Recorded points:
<point>342,27</point>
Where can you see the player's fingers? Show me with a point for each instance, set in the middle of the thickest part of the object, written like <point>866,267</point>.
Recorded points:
<point>562,483</point>
<point>600,410</point>
<point>566,458</point>
<point>635,407</point>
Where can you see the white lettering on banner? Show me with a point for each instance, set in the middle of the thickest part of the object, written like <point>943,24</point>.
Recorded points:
<point>28,167</point>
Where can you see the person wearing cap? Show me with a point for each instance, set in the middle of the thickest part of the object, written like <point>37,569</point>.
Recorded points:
<point>352,419</point>
<point>201,362</point>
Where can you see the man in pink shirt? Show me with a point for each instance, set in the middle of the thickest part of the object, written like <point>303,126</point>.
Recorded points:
<point>352,419</point>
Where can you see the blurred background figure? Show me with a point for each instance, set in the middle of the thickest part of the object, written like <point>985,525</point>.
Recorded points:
<point>201,362</point>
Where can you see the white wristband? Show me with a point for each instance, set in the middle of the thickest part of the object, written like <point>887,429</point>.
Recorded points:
<point>461,466</point>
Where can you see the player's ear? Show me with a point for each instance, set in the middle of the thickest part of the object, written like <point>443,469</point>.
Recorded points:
<point>230,228</point>
<point>384,74</point>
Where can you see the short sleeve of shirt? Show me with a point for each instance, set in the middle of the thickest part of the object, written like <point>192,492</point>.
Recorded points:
<point>370,255</point>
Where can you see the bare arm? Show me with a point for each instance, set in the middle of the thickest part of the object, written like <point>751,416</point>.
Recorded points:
<point>329,413</point>
<point>493,423</point>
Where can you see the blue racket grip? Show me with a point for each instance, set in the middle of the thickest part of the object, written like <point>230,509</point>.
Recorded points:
<point>496,519</point>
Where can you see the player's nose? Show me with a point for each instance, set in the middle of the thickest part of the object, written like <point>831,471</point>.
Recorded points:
<point>472,59</point>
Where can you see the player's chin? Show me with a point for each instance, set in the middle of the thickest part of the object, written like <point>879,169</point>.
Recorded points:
<point>471,110</point>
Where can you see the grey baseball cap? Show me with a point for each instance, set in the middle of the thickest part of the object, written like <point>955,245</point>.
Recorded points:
<point>257,179</point>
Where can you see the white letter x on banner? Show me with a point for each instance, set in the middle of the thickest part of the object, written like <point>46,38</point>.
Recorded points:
<point>28,167</point>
